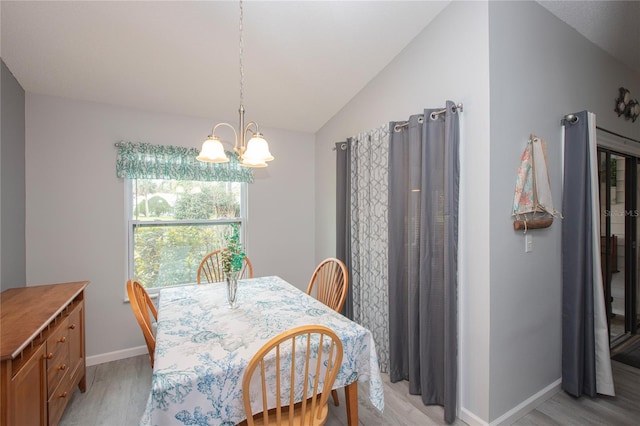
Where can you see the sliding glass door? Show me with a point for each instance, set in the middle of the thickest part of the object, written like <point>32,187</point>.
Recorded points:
<point>619,236</point>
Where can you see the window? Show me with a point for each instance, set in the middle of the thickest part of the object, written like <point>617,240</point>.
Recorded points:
<point>178,209</point>
<point>173,224</point>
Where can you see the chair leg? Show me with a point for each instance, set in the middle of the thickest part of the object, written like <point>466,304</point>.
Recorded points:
<point>334,394</point>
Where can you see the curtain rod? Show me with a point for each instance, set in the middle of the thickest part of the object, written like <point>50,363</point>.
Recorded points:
<point>433,115</point>
<point>573,119</point>
<point>343,146</point>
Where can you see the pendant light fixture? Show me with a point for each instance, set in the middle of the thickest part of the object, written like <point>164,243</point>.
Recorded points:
<point>252,153</point>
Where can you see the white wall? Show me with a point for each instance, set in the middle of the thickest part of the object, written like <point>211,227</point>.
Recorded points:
<point>75,205</point>
<point>448,60</point>
<point>541,69</point>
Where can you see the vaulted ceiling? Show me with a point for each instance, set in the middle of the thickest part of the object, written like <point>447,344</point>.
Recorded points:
<point>303,60</point>
<point>614,26</point>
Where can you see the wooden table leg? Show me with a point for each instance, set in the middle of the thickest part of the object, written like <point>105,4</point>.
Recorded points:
<point>351,395</point>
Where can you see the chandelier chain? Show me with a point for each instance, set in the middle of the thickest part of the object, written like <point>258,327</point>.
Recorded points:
<point>241,54</point>
<point>251,153</point>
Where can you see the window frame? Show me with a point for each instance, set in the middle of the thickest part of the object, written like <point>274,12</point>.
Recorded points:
<point>132,223</point>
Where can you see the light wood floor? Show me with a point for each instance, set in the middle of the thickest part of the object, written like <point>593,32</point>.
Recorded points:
<point>117,394</point>
<point>621,410</point>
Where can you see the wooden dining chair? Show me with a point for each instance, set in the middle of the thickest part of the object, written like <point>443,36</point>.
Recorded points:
<point>301,357</point>
<point>331,282</point>
<point>143,309</point>
<point>210,269</point>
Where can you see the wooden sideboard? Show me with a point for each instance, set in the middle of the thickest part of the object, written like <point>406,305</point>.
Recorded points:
<point>42,352</point>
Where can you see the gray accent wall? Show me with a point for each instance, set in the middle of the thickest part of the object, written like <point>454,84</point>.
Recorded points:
<point>12,182</point>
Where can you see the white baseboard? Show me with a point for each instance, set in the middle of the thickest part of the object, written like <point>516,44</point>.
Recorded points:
<point>516,412</point>
<point>116,355</point>
<point>471,419</point>
<point>527,405</point>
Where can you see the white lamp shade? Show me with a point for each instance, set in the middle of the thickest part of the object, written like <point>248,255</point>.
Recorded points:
<point>257,151</point>
<point>252,163</point>
<point>212,151</point>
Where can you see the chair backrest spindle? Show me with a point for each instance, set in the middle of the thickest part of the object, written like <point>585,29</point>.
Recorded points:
<point>210,269</point>
<point>330,281</point>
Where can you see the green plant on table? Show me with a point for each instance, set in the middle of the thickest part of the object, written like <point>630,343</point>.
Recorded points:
<point>233,256</point>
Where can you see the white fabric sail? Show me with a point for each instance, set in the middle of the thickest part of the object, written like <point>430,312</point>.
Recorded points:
<point>532,199</point>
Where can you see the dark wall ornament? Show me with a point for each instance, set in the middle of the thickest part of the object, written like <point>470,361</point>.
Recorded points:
<point>629,108</point>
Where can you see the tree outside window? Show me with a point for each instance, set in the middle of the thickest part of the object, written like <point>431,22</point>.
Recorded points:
<point>174,224</point>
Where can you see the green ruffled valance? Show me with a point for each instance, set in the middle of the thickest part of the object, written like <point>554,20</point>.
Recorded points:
<point>147,161</point>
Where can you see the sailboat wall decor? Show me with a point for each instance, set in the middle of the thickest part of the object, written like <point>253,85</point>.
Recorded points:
<point>532,203</point>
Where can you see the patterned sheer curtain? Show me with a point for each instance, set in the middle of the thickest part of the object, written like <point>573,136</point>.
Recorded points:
<point>369,236</point>
<point>148,161</point>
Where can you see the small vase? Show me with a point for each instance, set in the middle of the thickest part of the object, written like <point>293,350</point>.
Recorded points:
<point>232,289</point>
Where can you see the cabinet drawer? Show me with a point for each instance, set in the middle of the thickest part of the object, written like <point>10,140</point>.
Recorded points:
<point>57,356</point>
<point>56,372</point>
<point>59,398</point>
<point>57,340</point>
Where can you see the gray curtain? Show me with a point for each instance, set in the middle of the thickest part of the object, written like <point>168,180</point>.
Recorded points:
<point>586,367</point>
<point>343,215</point>
<point>423,235</point>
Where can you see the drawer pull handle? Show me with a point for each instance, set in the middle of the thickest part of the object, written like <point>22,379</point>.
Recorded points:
<point>63,395</point>
<point>49,355</point>
<point>62,367</point>
<point>62,339</point>
<point>72,326</point>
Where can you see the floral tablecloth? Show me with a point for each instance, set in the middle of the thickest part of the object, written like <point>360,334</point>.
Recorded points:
<point>203,348</point>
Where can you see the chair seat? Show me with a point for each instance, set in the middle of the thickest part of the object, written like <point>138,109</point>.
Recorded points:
<point>298,420</point>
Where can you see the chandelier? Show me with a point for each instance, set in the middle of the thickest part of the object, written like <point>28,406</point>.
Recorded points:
<point>252,153</point>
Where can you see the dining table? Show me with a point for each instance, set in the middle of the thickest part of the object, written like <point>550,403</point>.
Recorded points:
<point>203,348</point>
